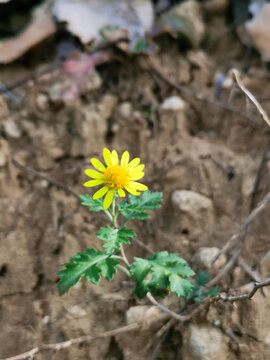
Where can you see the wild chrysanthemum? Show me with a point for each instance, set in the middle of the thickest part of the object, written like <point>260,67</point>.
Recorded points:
<point>115,177</point>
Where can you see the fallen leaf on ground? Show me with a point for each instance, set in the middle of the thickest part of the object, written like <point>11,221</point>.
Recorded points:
<point>87,18</point>
<point>79,77</point>
<point>40,28</point>
<point>259,31</point>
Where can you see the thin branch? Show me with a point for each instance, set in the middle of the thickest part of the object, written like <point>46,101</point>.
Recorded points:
<point>248,296</point>
<point>50,181</point>
<point>166,310</point>
<point>253,274</point>
<point>78,340</point>
<point>251,97</point>
<point>226,268</point>
<point>199,97</point>
<point>244,226</point>
<point>142,245</point>
<point>259,176</point>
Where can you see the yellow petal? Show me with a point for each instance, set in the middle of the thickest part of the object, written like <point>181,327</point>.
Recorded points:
<point>108,199</point>
<point>131,190</point>
<point>114,158</point>
<point>137,176</point>
<point>137,169</point>
<point>137,186</point>
<point>133,163</point>
<point>98,164</point>
<point>92,183</point>
<point>107,157</point>
<point>100,192</point>
<point>93,174</point>
<point>121,193</point>
<point>125,158</point>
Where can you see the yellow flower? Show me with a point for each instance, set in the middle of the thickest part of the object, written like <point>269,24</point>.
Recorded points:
<point>115,176</point>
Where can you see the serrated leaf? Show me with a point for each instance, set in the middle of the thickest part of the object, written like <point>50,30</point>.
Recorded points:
<point>114,237</point>
<point>212,292</point>
<point>136,206</point>
<point>160,271</point>
<point>88,264</point>
<point>94,205</point>
<point>181,287</point>
<point>203,277</point>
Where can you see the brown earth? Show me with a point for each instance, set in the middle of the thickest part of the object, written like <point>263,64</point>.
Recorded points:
<point>201,148</point>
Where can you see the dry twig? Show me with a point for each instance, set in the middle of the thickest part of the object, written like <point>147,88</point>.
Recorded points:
<point>199,97</point>
<point>166,310</point>
<point>50,181</point>
<point>244,226</point>
<point>79,340</point>
<point>251,97</point>
<point>248,296</point>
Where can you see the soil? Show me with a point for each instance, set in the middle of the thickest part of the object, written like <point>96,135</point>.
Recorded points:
<point>202,148</point>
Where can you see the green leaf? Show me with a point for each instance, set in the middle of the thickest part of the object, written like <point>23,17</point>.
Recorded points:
<point>203,277</point>
<point>136,206</point>
<point>198,293</point>
<point>212,292</point>
<point>114,237</point>
<point>160,272</point>
<point>88,264</point>
<point>181,287</point>
<point>94,205</point>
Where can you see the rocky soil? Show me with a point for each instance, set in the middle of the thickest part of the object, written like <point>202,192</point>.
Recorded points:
<point>205,160</point>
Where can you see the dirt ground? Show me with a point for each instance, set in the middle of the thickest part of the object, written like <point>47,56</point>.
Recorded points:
<point>199,147</point>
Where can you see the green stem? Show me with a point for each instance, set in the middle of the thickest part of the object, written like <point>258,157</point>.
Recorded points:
<point>125,270</point>
<point>109,215</point>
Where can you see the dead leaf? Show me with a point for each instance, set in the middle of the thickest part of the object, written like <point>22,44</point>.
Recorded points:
<point>87,18</point>
<point>41,27</point>
<point>39,30</point>
<point>259,31</point>
<point>79,77</point>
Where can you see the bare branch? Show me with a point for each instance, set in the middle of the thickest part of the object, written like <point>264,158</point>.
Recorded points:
<point>244,226</point>
<point>78,340</point>
<point>50,181</point>
<point>245,296</point>
<point>166,310</point>
<point>251,97</point>
<point>199,97</point>
<point>226,268</point>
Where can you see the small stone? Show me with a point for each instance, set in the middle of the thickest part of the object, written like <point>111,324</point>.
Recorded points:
<point>136,313</point>
<point>190,12</point>
<point>190,201</point>
<point>173,103</point>
<point>56,93</point>
<point>194,214</point>
<point>45,320</point>
<point>42,102</point>
<point>77,311</point>
<point>205,341</point>
<point>204,256</point>
<point>125,110</point>
<point>11,129</point>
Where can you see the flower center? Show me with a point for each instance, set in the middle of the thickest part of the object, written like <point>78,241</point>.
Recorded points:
<point>116,177</point>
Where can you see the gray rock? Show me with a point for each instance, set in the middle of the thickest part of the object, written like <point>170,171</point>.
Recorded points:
<point>136,313</point>
<point>173,103</point>
<point>11,129</point>
<point>204,343</point>
<point>194,213</point>
<point>190,12</point>
<point>204,340</point>
<point>204,256</point>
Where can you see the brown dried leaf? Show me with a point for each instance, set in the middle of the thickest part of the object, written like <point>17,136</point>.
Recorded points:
<point>36,32</point>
